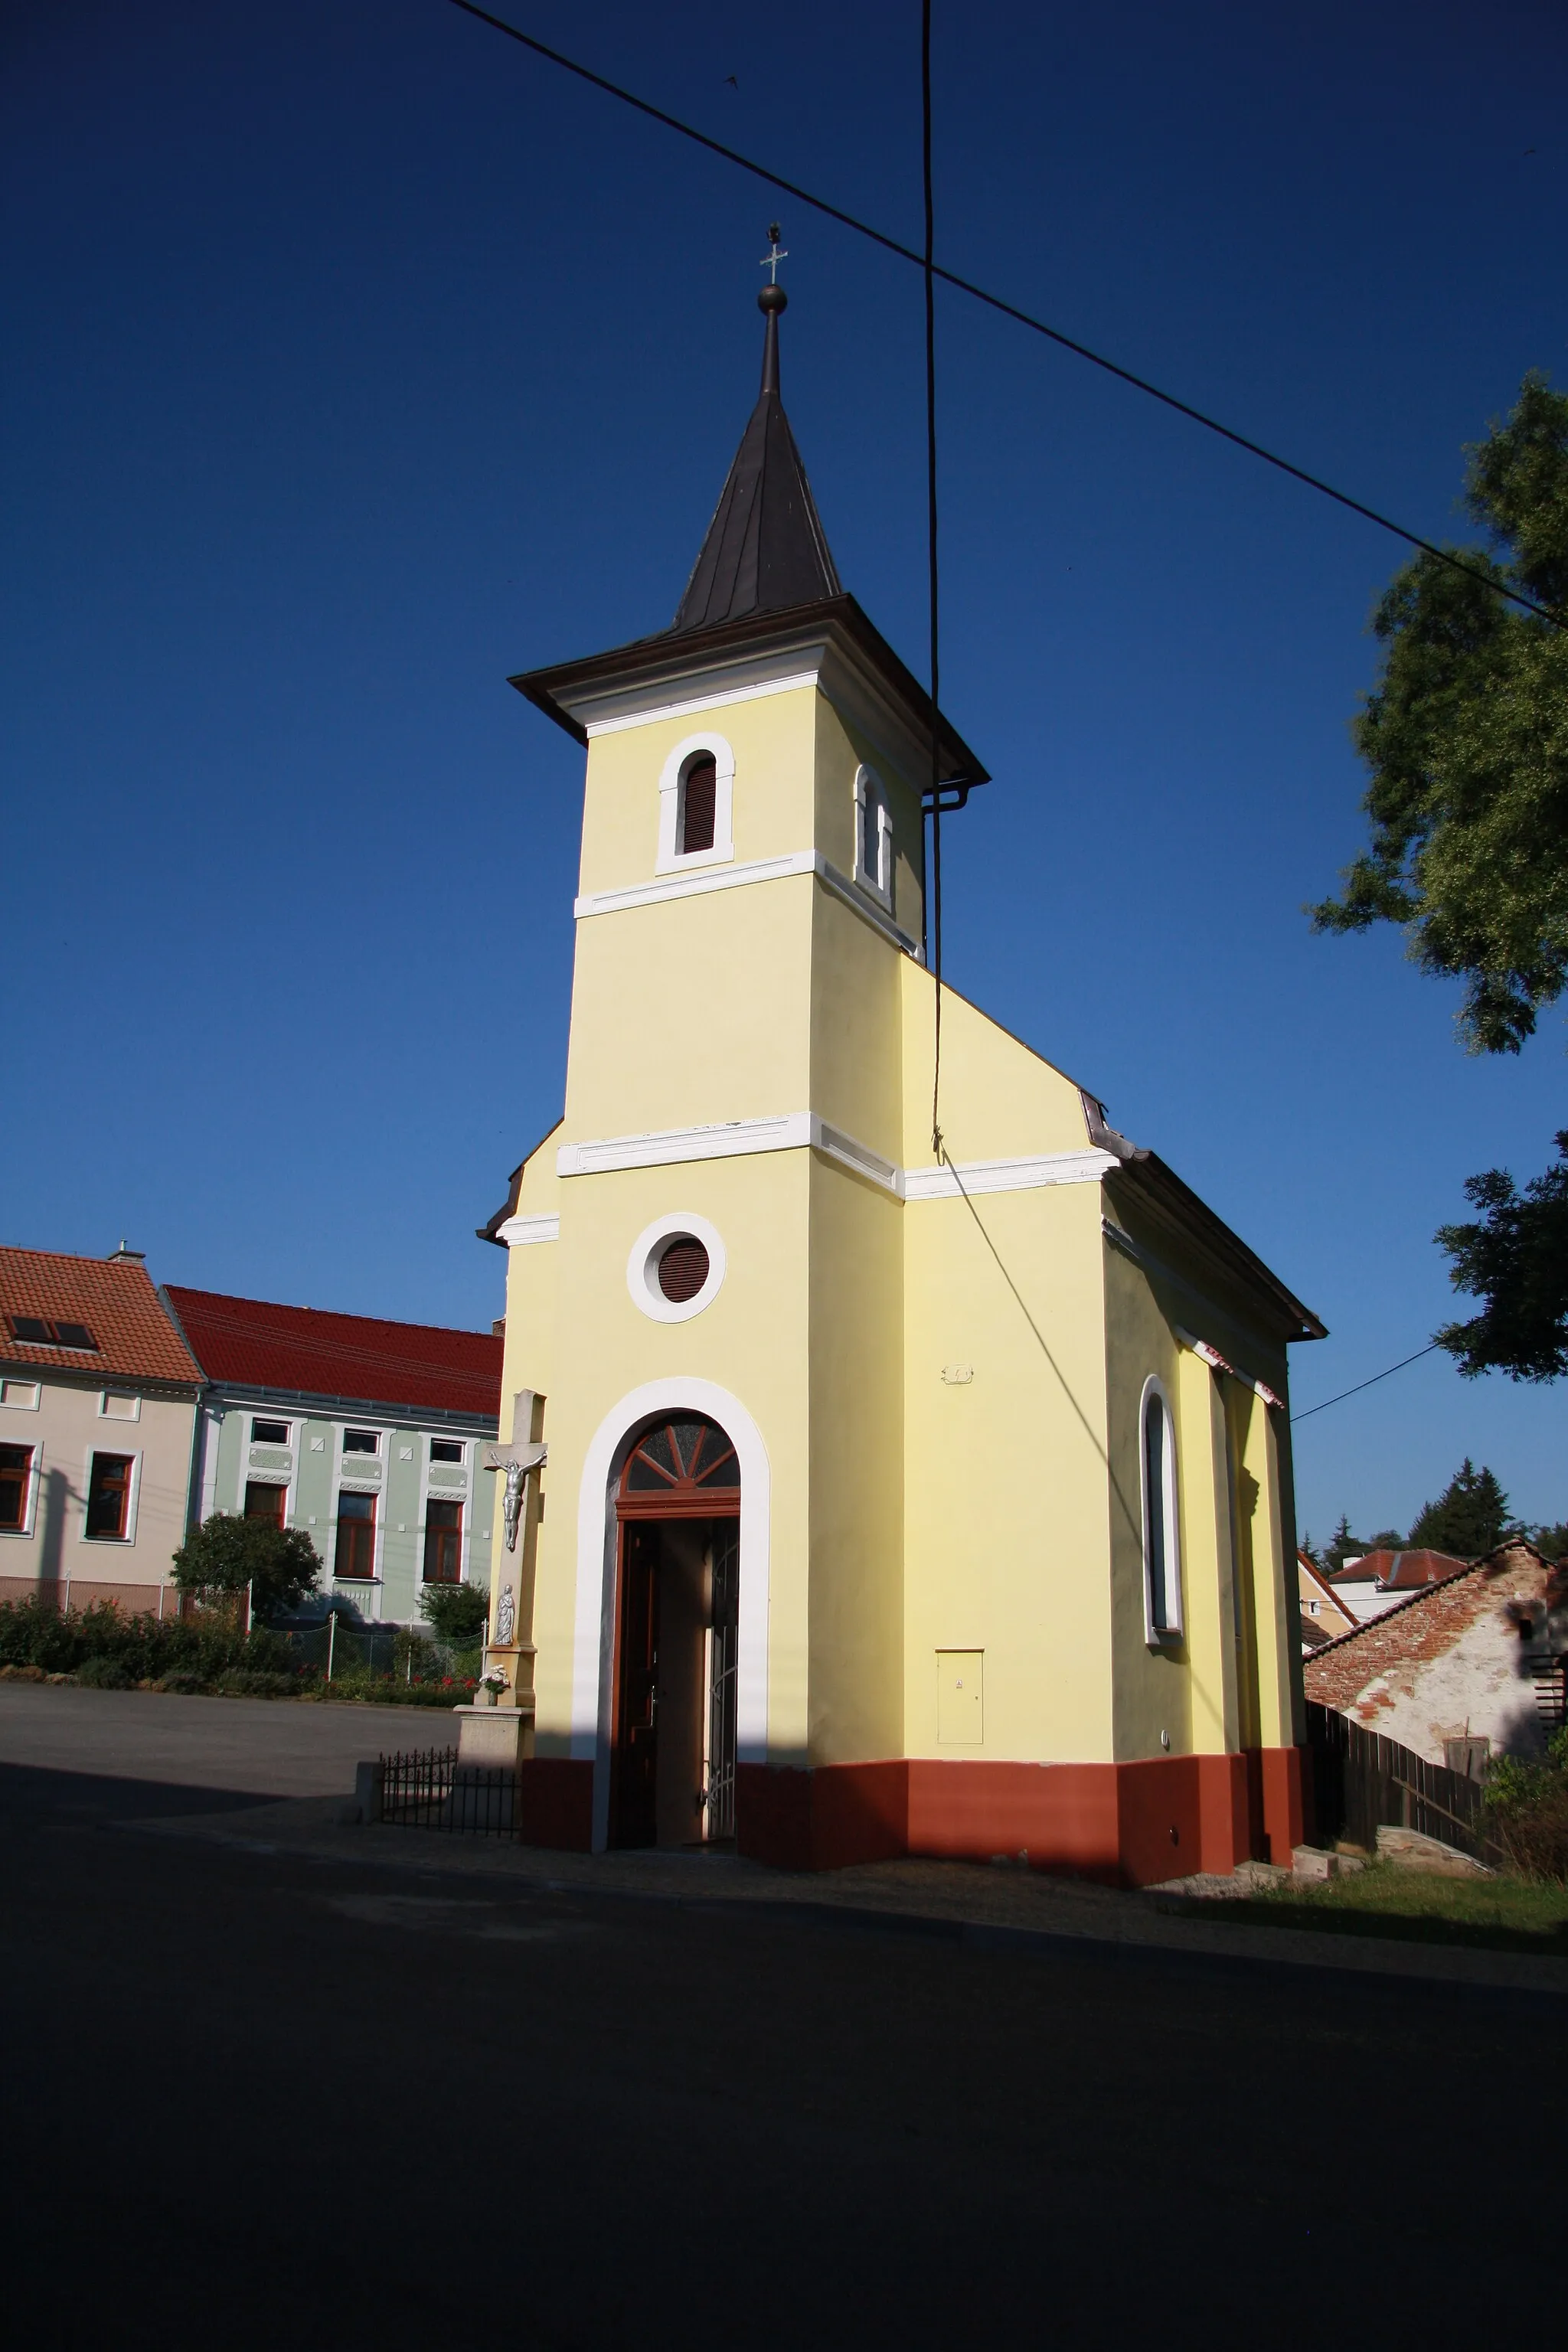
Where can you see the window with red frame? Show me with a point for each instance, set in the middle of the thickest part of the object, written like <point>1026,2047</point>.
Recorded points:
<point>15,1470</point>
<point>355,1554</point>
<point>443,1543</point>
<point>108,1498</point>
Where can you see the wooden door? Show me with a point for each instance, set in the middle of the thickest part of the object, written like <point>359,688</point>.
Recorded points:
<point>635,1816</point>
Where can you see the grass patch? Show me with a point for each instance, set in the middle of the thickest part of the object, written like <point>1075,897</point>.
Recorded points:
<point>1499,1914</point>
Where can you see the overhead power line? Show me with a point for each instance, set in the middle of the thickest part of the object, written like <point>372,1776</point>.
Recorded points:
<point>1415,1359</point>
<point>1008,310</point>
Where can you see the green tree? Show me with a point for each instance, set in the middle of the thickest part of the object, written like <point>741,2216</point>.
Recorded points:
<point>457,1612</point>
<point>227,1554</point>
<point>1552,1543</point>
<point>1516,1259</point>
<point>1468,1519</point>
<point>1466,737</point>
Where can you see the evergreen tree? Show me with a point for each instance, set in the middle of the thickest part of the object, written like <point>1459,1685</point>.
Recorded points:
<point>1468,1519</point>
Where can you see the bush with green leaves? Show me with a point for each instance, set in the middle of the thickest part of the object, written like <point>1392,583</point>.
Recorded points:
<point>97,1644</point>
<point>457,1613</point>
<point>277,1566</point>
<point>1528,1801</point>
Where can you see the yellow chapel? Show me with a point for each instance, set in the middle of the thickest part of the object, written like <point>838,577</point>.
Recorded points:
<point>859,1502</point>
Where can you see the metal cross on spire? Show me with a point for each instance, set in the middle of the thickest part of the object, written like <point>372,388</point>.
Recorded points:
<point>771,260</point>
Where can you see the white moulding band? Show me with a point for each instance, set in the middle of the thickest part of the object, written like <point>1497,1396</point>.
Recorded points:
<point>520,1233</point>
<point>1021,1175</point>
<point>805,1130</point>
<point>739,878</point>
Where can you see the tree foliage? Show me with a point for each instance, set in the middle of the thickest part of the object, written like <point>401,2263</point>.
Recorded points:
<point>1465,736</point>
<point>1468,1519</point>
<point>457,1613</point>
<point>225,1554</point>
<point>1516,1259</point>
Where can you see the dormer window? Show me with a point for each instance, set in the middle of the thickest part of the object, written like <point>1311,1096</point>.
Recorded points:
<point>695,798</point>
<point>699,788</point>
<point>873,837</point>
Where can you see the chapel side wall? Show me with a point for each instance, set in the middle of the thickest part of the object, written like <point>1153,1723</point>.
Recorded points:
<point>857,1277</point>
<point>1154,1687</point>
<point>751,1341</point>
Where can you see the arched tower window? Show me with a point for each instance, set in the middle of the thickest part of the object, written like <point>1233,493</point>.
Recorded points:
<point>873,837</point>
<point>695,795</point>
<point>1162,1533</point>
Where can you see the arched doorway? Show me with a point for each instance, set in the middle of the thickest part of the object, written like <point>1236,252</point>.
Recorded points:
<point>672,1755</point>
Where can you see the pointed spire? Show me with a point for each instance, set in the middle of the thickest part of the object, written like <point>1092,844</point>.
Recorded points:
<point>765,549</point>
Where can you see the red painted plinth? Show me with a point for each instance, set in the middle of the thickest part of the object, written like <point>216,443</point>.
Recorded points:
<point>556,1802</point>
<point>1127,1824</point>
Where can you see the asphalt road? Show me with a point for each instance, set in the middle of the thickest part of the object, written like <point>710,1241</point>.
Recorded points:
<point>275,1747</point>
<point>254,2098</point>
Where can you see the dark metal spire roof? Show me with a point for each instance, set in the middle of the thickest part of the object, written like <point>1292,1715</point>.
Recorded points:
<point>765,550</point>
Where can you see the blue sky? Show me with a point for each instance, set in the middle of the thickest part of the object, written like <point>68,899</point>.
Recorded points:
<point>354,358</point>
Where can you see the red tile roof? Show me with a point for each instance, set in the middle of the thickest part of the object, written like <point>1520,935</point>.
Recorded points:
<point>1399,1572</point>
<point>414,1366</point>
<point>1416,1631</point>
<point>111,1297</point>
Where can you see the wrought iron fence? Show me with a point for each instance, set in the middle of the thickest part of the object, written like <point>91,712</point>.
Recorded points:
<point>1363,1782</point>
<point>431,1791</point>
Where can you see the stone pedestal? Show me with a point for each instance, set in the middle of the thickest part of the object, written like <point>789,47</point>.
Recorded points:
<point>495,1737</point>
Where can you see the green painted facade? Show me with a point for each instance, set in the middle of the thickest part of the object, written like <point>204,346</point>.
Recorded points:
<point>315,1468</point>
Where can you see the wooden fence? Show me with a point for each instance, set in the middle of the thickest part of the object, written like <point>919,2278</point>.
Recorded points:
<point>1362,1782</point>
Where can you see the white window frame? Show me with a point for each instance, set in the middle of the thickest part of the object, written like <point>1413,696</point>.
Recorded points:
<point>30,1498</point>
<point>357,1453</point>
<point>671,859</point>
<point>17,1403</point>
<point>871,795</point>
<point>133,1499</point>
<point>125,1396</point>
<point>1159,1637</point>
<point>278,1421</point>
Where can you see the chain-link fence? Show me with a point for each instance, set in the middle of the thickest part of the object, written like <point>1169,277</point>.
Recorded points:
<point>338,1649</point>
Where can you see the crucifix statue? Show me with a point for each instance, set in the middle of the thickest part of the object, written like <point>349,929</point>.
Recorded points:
<point>771,260</point>
<point>515,1462</point>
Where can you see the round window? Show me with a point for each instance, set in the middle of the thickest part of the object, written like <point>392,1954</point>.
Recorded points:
<point>682,1268</point>
<point>676,1267</point>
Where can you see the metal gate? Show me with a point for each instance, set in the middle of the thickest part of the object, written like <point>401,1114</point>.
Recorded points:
<point>723,1690</point>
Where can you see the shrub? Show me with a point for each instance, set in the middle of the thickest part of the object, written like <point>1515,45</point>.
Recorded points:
<point>1529,1807</point>
<point>101,1672</point>
<point>457,1612</point>
<point>249,1682</point>
<point>228,1554</point>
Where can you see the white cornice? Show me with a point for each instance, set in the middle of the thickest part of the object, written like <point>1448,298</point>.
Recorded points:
<point>519,1232</point>
<point>1021,1175</point>
<point>739,878</point>
<point>804,1131</point>
<point>753,684</point>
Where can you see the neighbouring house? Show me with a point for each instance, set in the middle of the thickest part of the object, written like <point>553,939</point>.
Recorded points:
<point>1324,1612</point>
<point>97,1418</point>
<point>901,1501</point>
<point>1470,1664</point>
<point>369,1434</point>
<point>1380,1581</point>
